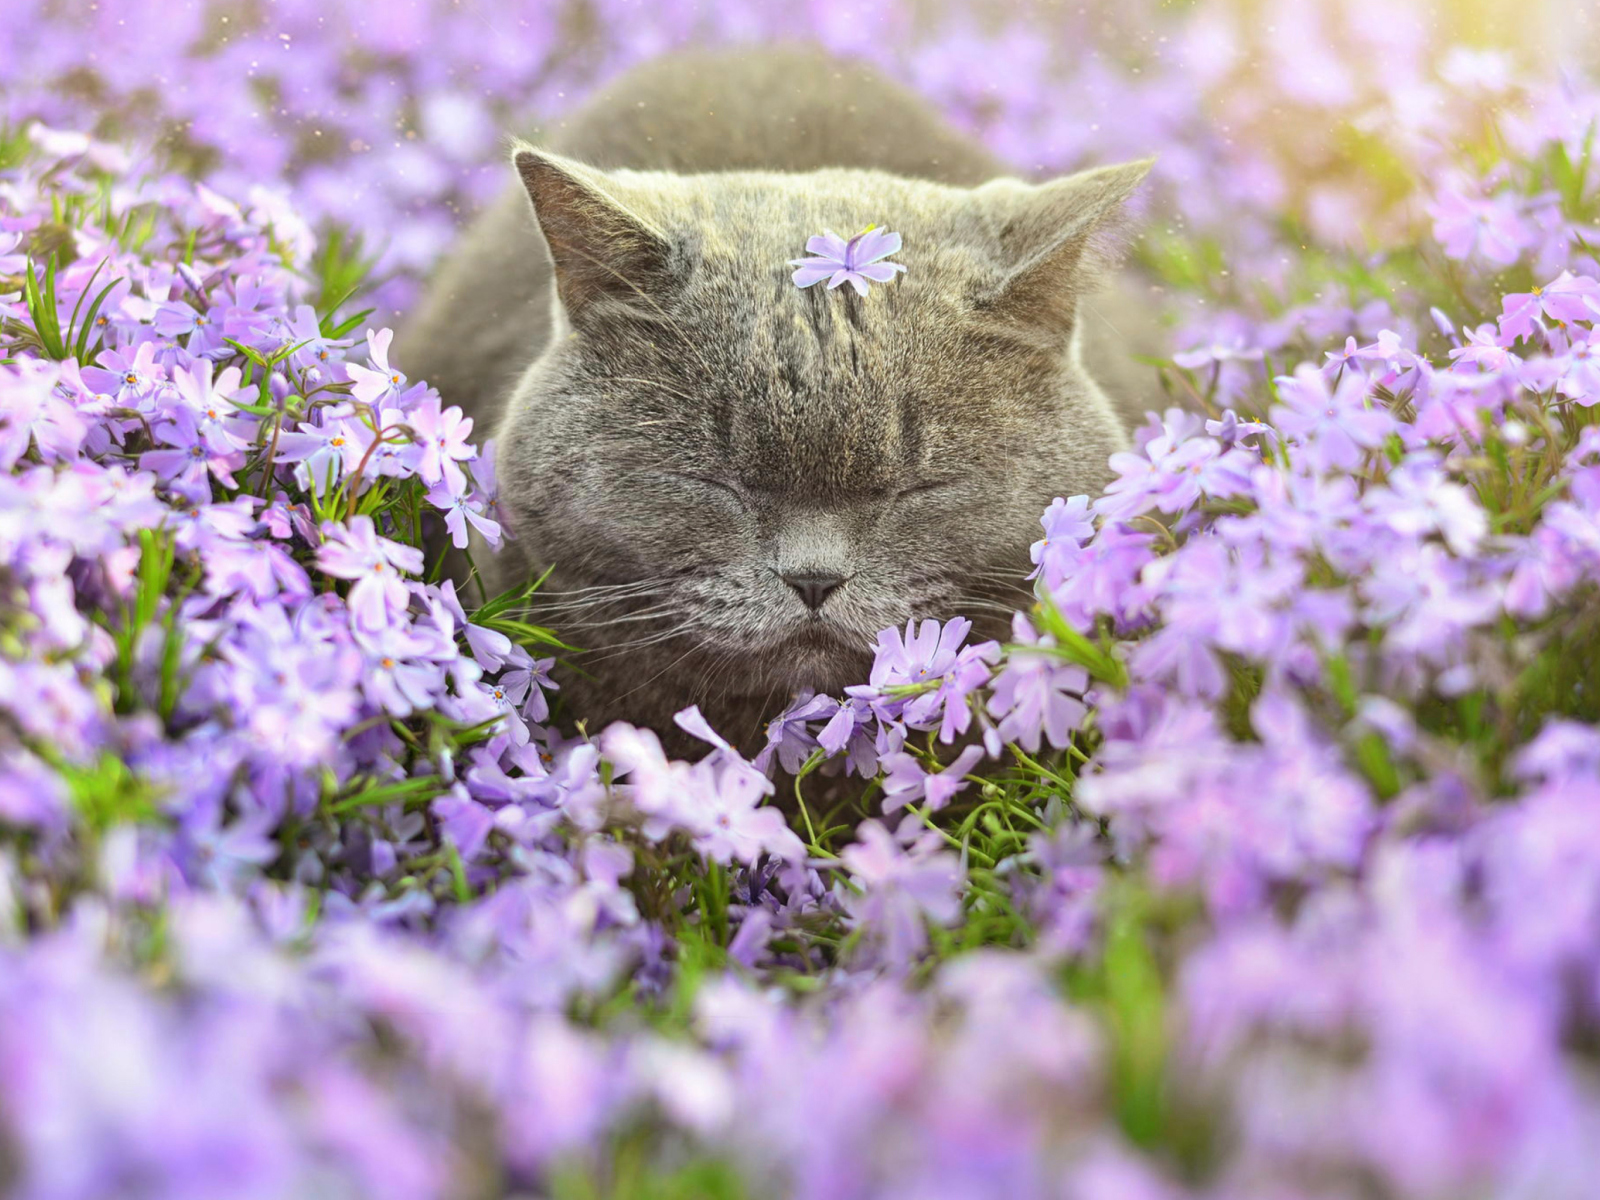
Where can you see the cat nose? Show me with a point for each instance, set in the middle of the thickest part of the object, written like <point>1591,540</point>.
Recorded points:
<point>813,586</point>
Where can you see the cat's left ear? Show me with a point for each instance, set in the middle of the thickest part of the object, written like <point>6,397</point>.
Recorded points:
<point>604,252</point>
<point>1056,240</point>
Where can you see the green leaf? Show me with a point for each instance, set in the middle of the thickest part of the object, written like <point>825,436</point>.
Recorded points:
<point>1073,646</point>
<point>409,790</point>
<point>106,793</point>
<point>458,872</point>
<point>348,324</point>
<point>1372,755</point>
<point>250,353</point>
<point>41,304</point>
<point>80,349</point>
<point>1135,1009</point>
<point>526,634</point>
<point>72,321</point>
<point>509,598</point>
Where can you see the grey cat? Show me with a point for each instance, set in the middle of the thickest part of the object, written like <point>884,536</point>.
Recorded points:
<point>739,482</point>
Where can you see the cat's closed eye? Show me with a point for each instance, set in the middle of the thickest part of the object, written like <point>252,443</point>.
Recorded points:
<point>929,488</point>
<point>709,483</point>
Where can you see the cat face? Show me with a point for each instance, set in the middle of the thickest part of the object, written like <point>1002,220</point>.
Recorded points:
<point>756,477</point>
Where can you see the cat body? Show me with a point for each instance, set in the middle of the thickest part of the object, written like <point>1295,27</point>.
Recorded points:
<point>738,481</point>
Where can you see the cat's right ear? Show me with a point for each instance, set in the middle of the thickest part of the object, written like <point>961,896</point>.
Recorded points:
<point>604,253</point>
<point>1056,242</point>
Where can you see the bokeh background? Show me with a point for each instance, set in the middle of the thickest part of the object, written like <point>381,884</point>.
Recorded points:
<point>1304,902</point>
<point>1277,122</point>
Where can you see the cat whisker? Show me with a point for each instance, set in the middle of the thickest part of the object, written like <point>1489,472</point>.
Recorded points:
<point>589,613</point>
<point>999,610</point>
<point>581,604</point>
<point>632,619</point>
<point>645,683</point>
<point>1018,578</point>
<point>650,638</point>
<point>604,588</point>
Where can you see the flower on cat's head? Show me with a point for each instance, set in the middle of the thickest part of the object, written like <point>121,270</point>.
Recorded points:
<point>853,262</point>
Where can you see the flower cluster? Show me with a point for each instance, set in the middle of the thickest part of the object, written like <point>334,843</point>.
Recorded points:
<point>1259,859</point>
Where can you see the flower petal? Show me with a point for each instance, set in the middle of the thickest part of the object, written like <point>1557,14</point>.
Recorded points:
<point>813,271</point>
<point>879,272</point>
<point>876,244</point>
<point>829,245</point>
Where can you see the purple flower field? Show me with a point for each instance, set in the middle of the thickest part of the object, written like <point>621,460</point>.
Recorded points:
<point>1261,863</point>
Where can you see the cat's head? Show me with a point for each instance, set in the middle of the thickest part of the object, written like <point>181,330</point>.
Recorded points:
<point>781,472</point>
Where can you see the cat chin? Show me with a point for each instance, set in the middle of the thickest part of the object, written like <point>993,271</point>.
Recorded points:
<point>821,656</point>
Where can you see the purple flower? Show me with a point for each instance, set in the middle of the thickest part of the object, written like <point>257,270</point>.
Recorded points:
<point>926,677</point>
<point>1487,348</point>
<point>1174,470</point>
<point>906,782</point>
<point>1334,425</point>
<point>184,467</point>
<point>1067,526</point>
<point>1217,353</point>
<point>789,737</point>
<point>717,800</point>
<point>504,699</point>
<point>313,350</point>
<point>31,795</point>
<point>463,820</point>
<point>1419,499</point>
<point>853,262</point>
<point>849,731</point>
<point>441,442</point>
<point>129,378</point>
<point>1231,430</point>
<point>402,672</point>
<point>900,890</point>
<point>528,681</point>
<point>1569,298</point>
<point>257,566</point>
<point>322,453</point>
<point>224,429</point>
<point>355,551</point>
<point>380,382</point>
<point>1036,693</point>
<point>729,822</point>
<point>205,330</point>
<point>1493,229</point>
<point>461,511</point>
